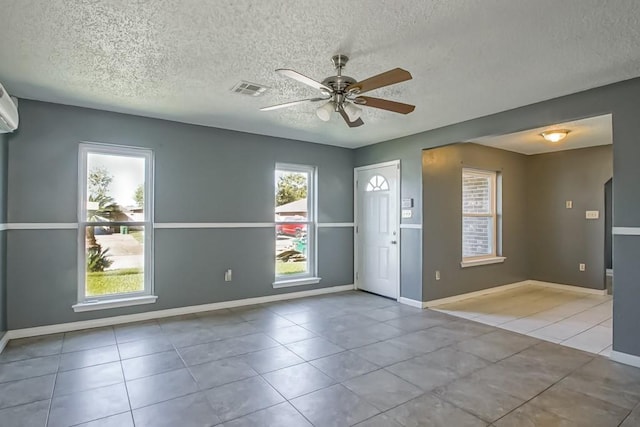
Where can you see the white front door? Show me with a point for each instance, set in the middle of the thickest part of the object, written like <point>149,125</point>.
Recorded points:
<point>377,233</point>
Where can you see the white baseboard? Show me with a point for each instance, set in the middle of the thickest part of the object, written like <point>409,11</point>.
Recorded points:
<point>570,288</point>
<point>138,317</point>
<point>4,341</point>
<point>411,302</point>
<point>627,359</point>
<point>456,298</point>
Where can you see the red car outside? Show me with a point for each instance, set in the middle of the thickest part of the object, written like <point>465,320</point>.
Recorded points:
<point>291,228</point>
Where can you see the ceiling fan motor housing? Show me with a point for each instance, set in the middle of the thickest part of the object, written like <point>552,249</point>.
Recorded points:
<point>339,83</point>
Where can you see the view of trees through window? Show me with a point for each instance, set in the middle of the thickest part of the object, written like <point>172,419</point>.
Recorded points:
<point>292,221</point>
<point>114,224</point>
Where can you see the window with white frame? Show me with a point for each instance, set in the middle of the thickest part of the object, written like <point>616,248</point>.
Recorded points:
<point>115,223</point>
<point>295,222</point>
<point>479,214</point>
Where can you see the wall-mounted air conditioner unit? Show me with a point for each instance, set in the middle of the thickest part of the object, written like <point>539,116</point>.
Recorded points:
<point>8,112</point>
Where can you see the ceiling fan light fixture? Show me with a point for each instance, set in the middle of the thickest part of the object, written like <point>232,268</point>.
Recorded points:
<point>324,112</point>
<point>352,111</point>
<point>555,135</point>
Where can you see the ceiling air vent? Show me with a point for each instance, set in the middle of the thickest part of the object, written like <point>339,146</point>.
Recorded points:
<point>247,88</point>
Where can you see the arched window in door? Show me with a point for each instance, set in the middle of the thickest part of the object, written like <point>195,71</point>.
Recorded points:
<point>377,183</point>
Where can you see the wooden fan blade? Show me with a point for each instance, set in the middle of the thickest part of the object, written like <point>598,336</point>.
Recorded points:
<point>351,124</point>
<point>387,78</point>
<point>303,79</point>
<point>291,104</point>
<point>385,104</point>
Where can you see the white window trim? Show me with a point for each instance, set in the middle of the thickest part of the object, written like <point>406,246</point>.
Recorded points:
<point>473,262</point>
<point>115,300</point>
<point>494,257</point>
<point>311,276</point>
<point>114,303</point>
<point>296,282</point>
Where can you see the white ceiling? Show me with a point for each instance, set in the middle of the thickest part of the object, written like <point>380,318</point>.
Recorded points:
<point>584,133</point>
<point>177,59</point>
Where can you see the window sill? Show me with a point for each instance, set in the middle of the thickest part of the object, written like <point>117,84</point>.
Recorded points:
<point>482,261</point>
<point>114,303</point>
<point>296,282</point>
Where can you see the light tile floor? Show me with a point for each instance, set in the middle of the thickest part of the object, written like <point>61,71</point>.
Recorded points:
<point>574,319</point>
<point>333,360</point>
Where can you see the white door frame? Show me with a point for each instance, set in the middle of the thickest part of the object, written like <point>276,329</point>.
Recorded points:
<point>356,219</point>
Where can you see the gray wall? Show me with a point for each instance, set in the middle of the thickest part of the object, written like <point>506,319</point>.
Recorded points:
<point>201,175</point>
<point>560,238</point>
<point>620,99</point>
<point>3,234</point>
<point>541,239</point>
<point>442,216</point>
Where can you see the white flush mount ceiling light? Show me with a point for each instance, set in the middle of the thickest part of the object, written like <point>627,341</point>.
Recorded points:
<point>555,135</point>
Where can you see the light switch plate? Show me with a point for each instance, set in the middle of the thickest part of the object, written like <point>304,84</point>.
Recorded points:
<point>407,203</point>
<point>569,204</point>
<point>592,214</point>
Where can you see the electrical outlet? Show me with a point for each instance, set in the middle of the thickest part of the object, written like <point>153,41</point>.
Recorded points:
<point>437,274</point>
<point>228,275</point>
<point>582,267</point>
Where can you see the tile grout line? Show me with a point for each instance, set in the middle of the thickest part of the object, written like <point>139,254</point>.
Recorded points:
<point>281,395</point>
<point>515,397</point>
<point>124,378</point>
<point>580,333</point>
<point>557,382</point>
<point>431,391</point>
<point>629,414</point>
<point>102,418</point>
<point>55,381</point>
<point>566,319</point>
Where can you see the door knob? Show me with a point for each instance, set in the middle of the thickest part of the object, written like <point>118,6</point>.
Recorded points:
<point>394,242</point>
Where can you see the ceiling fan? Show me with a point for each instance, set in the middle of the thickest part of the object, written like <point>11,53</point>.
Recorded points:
<point>343,93</point>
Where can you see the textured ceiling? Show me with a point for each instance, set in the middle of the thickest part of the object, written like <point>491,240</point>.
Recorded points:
<point>584,133</point>
<point>178,59</point>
